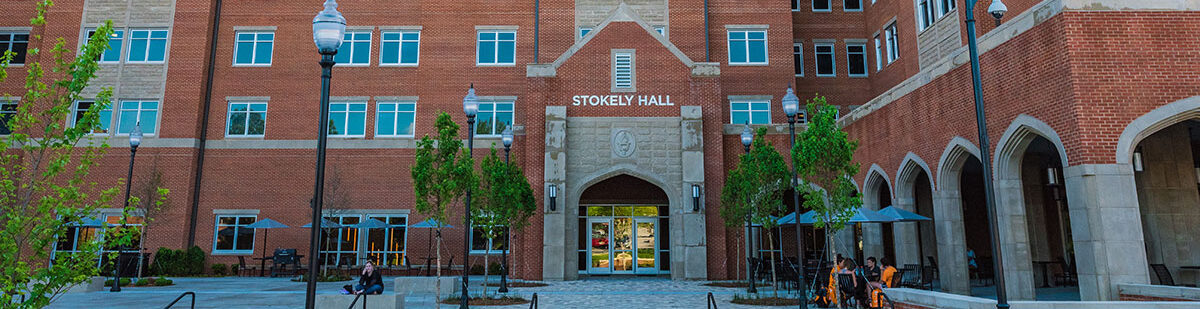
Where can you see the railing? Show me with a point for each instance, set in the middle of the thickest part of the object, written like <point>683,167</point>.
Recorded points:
<point>177,299</point>
<point>356,297</point>
<point>533,301</point>
<point>712,302</point>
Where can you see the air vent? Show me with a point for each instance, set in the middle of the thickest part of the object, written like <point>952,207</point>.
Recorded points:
<point>623,70</point>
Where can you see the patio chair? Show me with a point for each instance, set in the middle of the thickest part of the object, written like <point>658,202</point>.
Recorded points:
<point>1164,275</point>
<point>896,278</point>
<point>243,269</point>
<point>932,263</point>
<point>1067,277</point>
<point>926,279</point>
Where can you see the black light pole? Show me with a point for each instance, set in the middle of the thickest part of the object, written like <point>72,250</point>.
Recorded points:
<point>470,107</point>
<point>791,107</point>
<point>747,140</point>
<point>507,138</point>
<point>328,28</point>
<point>135,139</point>
<point>997,9</point>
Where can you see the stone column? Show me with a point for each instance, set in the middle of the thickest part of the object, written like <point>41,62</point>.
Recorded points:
<point>559,260</point>
<point>904,234</point>
<point>953,270</point>
<point>1106,225</point>
<point>1014,238</point>
<point>689,244</point>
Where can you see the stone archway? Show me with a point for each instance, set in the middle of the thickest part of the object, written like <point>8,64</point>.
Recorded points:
<point>877,239</point>
<point>916,241</point>
<point>959,184</point>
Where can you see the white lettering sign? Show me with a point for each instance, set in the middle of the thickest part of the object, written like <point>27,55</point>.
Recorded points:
<point>622,100</point>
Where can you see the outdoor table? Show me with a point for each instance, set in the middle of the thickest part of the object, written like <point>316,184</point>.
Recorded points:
<point>428,262</point>
<point>1193,268</point>
<point>1045,271</point>
<point>262,265</point>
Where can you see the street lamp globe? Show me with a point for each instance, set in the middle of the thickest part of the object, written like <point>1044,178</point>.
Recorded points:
<point>135,137</point>
<point>471,102</point>
<point>507,137</point>
<point>328,28</point>
<point>747,136</point>
<point>997,9</point>
<point>791,103</point>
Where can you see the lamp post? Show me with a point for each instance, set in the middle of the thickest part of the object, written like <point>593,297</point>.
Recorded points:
<point>507,138</point>
<point>997,9</point>
<point>328,27</point>
<point>747,140</point>
<point>791,107</point>
<point>135,139</point>
<point>470,107</point>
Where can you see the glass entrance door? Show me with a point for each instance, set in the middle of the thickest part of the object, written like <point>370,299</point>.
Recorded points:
<point>623,240</point>
<point>600,253</point>
<point>646,245</point>
<point>622,254</point>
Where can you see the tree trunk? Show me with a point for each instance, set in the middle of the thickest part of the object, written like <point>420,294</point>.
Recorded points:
<point>774,280</point>
<point>486,253</point>
<point>829,233</point>
<point>141,253</point>
<point>438,287</point>
<point>737,263</point>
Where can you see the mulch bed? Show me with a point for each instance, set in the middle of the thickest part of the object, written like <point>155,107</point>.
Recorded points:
<point>732,284</point>
<point>520,284</point>
<point>767,301</point>
<point>503,301</point>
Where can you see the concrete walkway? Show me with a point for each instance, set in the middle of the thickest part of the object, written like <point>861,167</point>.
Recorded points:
<point>232,292</point>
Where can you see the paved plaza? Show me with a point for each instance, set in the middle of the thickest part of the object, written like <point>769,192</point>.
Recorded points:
<point>232,292</point>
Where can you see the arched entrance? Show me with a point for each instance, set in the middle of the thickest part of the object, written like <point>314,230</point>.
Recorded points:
<point>624,228</point>
<point>1166,165</point>
<point>914,192</point>
<point>966,255</point>
<point>878,239</point>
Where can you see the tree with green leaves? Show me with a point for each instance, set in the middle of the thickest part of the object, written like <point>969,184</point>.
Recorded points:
<point>824,157</point>
<point>755,190</point>
<point>150,188</point>
<point>43,188</point>
<point>506,203</point>
<point>442,174</point>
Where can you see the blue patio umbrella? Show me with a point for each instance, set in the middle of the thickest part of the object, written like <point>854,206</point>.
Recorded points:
<point>861,215</point>
<point>430,223</point>
<point>902,215</point>
<point>371,224</point>
<point>326,224</point>
<point>267,224</point>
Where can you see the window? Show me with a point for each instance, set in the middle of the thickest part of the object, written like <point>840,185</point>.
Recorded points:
<point>253,48</point>
<point>893,44</point>
<point>878,54</point>
<point>355,49</point>
<point>662,30</point>
<point>496,48</point>
<point>856,60</point>
<point>583,31</point>
<point>16,42</point>
<point>75,237</point>
<point>622,72</point>
<point>386,246</point>
<point>115,41</point>
<point>821,6</point>
<point>8,109</point>
<point>852,5</point>
<point>752,112</point>
<point>480,244</point>
<point>400,48</point>
<point>925,14</point>
<point>347,119</point>
<point>747,47</point>
<point>493,117</point>
<point>232,235</point>
<point>395,118</point>
<point>795,5</point>
<point>825,63</point>
<point>246,119</point>
<point>138,113</point>
<point>798,58</point>
<point>340,246</point>
<point>147,46</point>
<point>81,109</point>
<point>946,7</point>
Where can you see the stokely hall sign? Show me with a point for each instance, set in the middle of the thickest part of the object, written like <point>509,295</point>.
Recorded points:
<point>621,100</point>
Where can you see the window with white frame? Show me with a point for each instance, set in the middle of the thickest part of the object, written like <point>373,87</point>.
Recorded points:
<point>253,48</point>
<point>115,227</point>
<point>231,235</point>
<point>852,5</point>
<point>115,42</point>
<point>147,46</point>
<point>246,119</point>
<point>623,76</point>
<point>856,59</point>
<point>355,49</point>
<point>16,42</point>
<point>822,6</point>
<point>893,43</point>
<point>878,54</point>
<point>138,113</point>
<point>480,244</point>
<point>104,116</point>
<point>8,110</point>
<point>395,118</point>
<point>747,47</point>
<point>826,66</point>
<point>493,117</point>
<point>77,236</point>
<point>339,246</point>
<point>945,7</point>
<point>496,48</point>
<point>926,13</point>
<point>795,5</point>
<point>750,111</point>
<point>347,119</point>
<point>400,48</point>
<point>387,246</point>
<point>798,58</point>
<point>583,31</point>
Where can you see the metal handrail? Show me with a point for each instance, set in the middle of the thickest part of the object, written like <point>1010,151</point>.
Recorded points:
<point>177,299</point>
<point>356,297</point>
<point>712,302</point>
<point>533,301</point>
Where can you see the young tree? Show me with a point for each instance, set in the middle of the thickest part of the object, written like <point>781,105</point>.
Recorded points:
<point>755,190</point>
<point>441,176</point>
<point>43,171</point>
<point>506,203</point>
<point>824,157</point>
<point>150,188</point>
<point>337,203</point>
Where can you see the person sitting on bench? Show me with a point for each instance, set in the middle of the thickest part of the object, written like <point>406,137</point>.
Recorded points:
<point>371,281</point>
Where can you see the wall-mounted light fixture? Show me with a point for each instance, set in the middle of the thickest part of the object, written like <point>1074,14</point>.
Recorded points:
<point>553,192</point>
<point>695,197</point>
<point>1052,176</point>
<point>1137,160</point>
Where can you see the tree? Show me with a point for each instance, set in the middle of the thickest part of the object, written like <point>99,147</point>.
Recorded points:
<point>150,188</point>
<point>441,176</point>
<point>755,190</point>
<point>824,157</point>
<point>43,171</point>
<point>336,202</point>
<point>506,203</point>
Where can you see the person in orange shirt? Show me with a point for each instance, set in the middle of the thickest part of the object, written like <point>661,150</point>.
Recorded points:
<point>885,279</point>
<point>831,291</point>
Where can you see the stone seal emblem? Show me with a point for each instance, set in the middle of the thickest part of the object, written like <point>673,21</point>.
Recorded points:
<point>624,144</point>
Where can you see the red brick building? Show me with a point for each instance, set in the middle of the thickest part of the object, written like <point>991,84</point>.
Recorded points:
<point>629,112</point>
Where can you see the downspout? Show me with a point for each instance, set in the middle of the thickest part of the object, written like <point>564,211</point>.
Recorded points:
<point>707,57</point>
<point>208,89</point>
<point>536,14</point>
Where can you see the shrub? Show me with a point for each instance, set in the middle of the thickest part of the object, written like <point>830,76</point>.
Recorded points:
<point>142,282</point>
<point>124,282</point>
<point>476,269</point>
<point>163,282</point>
<point>219,269</point>
<point>194,261</point>
<point>494,269</point>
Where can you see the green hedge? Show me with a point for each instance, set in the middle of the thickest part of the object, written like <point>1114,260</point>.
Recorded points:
<point>188,262</point>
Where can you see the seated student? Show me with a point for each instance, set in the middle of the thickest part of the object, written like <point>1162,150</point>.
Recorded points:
<point>857,288</point>
<point>872,270</point>
<point>371,282</point>
<point>886,274</point>
<point>831,291</point>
